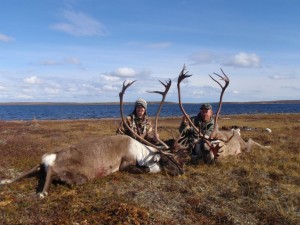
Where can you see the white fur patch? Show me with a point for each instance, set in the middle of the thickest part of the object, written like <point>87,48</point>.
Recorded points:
<point>145,156</point>
<point>267,130</point>
<point>214,143</point>
<point>6,181</point>
<point>48,160</point>
<point>155,168</point>
<point>237,130</point>
<point>42,195</point>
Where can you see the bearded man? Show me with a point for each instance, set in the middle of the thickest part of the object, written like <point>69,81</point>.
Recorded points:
<point>205,123</point>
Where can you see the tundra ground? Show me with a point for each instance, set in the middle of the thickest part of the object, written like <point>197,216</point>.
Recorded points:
<point>260,187</point>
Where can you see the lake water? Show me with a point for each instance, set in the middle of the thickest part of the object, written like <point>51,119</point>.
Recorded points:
<point>60,112</point>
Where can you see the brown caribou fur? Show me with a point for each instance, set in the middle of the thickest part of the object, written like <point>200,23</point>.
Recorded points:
<point>98,157</point>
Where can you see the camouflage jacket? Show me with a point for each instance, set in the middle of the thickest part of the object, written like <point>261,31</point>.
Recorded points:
<point>143,127</point>
<point>205,128</point>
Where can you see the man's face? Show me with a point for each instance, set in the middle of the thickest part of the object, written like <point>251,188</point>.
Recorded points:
<point>140,111</point>
<point>206,114</point>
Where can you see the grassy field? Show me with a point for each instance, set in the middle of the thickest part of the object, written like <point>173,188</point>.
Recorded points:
<point>260,187</point>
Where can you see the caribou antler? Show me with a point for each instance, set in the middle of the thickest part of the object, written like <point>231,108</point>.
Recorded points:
<point>142,140</point>
<point>121,94</point>
<point>184,74</point>
<point>226,80</point>
<point>167,86</point>
<point>179,142</point>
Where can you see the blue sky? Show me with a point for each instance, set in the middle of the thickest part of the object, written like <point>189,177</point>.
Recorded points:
<point>83,50</point>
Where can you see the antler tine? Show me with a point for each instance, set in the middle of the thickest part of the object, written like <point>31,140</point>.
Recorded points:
<point>224,78</point>
<point>180,143</point>
<point>183,74</point>
<point>167,86</point>
<point>121,94</point>
<point>125,86</point>
<point>224,74</point>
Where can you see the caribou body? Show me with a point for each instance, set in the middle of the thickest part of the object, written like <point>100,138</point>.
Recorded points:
<point>98,157</point>
<point>221,143</point>
<point>234,145</point>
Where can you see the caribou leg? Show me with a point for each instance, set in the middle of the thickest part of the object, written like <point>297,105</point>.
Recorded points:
<point>28,173</point>
<point>250,143</point>
<point>48,182</point>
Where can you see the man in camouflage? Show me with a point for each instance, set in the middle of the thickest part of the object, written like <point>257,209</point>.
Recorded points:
<point>138,120</point>
<point>205,123</point>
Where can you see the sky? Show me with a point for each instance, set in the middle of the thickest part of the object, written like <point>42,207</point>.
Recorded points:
<point>83,50</point>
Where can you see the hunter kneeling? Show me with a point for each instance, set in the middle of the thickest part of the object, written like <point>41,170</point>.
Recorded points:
<point>205,123</point>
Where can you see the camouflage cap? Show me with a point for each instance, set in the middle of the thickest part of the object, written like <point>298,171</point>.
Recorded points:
<point>206,106</point>
<point>141,102</point>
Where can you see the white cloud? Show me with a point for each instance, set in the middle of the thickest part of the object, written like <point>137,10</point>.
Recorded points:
<point>109,78</point>
<point>32,80</point>
<point>204,57</point>
<point>65,61</point>
<point>91,88</point>
<point>49,62</point>
<point>72,88</point>
<point>125,72</point>
<point>277,77</point>
<point>240,59</point>
<point>109,88</point>
<point>80,24</point>
<point>243,59</point>
<point>2,88</point>
<point>73,60</point>
<point>6,38</point>
<point>291,88</point>
<point>52,91</point>
<point>23,96</point>
<point>203,90</point>
<point>159,45</point>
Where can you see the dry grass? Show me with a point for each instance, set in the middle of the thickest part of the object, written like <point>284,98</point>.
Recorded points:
<point>260,187</point>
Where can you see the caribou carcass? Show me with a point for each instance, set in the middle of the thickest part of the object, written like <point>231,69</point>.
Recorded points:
<point>221,143</point>
<point>98,157</point>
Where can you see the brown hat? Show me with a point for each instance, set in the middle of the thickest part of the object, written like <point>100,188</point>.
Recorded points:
<point>206,106</point>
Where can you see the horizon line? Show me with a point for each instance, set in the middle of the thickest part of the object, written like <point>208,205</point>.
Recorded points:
<point>149,102</point>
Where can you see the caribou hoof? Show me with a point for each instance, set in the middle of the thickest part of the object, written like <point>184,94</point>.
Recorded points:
<point>42,195</point>
<point>5,181</point>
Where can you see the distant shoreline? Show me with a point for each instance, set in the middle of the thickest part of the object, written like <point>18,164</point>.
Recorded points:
<point>131,103</point>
